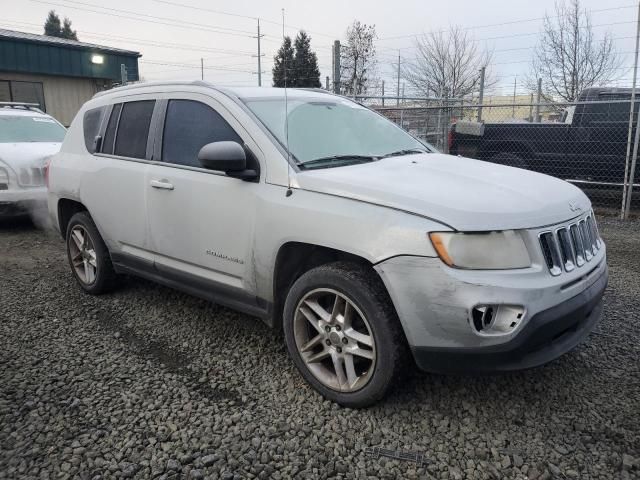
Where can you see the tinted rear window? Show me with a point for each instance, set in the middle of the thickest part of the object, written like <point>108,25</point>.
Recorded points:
<point>91,124</point>
<point>133,129</point>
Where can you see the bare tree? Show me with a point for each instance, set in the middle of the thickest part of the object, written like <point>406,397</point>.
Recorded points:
<point>447,64</point>
<point>569,58</point>
<point>358,59</point>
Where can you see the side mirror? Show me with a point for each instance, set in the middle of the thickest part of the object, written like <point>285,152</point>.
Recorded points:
<point>228,157</point>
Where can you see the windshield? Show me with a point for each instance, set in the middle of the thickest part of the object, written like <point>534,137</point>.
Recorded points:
<point>16,129</point>
<point>324,129</point>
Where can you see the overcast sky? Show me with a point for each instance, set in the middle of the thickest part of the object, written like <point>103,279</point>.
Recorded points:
<point>173,35</point>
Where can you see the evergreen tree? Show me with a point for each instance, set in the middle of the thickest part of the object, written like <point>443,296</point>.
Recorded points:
<point>307,73</point>
<point>52,25</point>
<point>55,28</point>
<point>282,58</point>
<point>66,31</point>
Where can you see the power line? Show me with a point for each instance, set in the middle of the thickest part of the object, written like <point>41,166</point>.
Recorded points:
<point>502,24</point>
<point>141,41</point>
<point>220,12</point>
<point>171,22</point>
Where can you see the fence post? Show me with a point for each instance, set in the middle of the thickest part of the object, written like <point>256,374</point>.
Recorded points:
<point>538,98</point>
<point>481,96</point>
<point>627,187</point>
<point>123,74</point>
<point>336,67</point>
<point>383,93</point>
<point>398,84</point>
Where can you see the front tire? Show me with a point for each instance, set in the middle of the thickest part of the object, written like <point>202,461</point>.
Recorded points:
<point>343,334</point>
<point>88,255</point>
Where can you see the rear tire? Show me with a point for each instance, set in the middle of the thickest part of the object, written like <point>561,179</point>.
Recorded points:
<point>88,255</point>
<point>342,310</point>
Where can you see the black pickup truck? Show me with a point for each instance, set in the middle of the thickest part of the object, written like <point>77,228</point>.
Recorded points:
<point>588,147</point>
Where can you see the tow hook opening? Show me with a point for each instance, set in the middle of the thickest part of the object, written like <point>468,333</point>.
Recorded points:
<point>496,319</point>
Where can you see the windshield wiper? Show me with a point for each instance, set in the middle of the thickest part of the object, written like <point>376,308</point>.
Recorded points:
<point>330,159</point>
<point>406,151</point>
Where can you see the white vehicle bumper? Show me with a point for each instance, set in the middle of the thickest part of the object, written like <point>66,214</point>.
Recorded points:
<point>20,201</point>
<point>435,304</point>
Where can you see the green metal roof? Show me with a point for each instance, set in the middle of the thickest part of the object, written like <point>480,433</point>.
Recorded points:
<point>30,53</point>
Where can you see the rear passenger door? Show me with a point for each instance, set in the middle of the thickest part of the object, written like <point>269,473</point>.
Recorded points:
<point>114,192</point>
<point>201,221</point>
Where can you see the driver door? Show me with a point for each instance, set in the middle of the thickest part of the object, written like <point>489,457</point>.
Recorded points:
<point>200,221</point>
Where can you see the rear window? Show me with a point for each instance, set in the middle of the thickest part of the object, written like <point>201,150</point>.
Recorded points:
<point>133,129</point>
<point>91,124</point>
<point>18,129</point>
<point>128,129</point>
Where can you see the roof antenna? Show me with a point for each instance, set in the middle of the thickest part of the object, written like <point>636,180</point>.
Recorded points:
<point>286,113</point>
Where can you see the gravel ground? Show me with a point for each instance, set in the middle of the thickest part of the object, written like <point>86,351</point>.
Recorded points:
<point>150,383</point>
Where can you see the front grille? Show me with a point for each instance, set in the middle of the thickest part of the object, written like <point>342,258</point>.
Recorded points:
<point>570,246</point>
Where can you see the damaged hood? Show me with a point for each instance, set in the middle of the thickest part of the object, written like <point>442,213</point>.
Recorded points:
<point>466,194</point>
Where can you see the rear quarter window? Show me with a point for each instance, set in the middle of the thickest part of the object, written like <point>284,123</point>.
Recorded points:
<point>91,123</point>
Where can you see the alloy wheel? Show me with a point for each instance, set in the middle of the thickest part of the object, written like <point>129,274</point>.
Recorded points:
<point>334,340</point>
<point>83,255</point>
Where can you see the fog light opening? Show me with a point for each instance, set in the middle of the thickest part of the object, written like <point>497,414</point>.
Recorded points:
<point>496,319</point>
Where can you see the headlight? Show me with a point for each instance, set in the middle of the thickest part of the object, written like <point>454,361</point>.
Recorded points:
<point>483,251</point>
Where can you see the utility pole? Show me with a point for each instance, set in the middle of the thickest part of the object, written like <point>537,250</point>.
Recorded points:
<point>201,68</point>
<point>398,85</point>
<point>513,107</point>
<point>259,55</point>
<point>383,93</point>
<point>327,83</point>
<point>336,67</point>
<point>403,92</point>
<point>538,98</point>
<point>481,96</point>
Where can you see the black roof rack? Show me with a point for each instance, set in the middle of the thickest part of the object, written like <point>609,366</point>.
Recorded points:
<point>22,106</point>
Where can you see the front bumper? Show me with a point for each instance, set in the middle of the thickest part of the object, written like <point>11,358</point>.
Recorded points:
<point>548,335</point>
<point>434,304</point>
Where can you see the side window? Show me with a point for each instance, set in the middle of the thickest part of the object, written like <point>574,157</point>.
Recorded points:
<point>110,134</point>
<point>190,125</point>
<point>91,123</point>
<point>133,129</point>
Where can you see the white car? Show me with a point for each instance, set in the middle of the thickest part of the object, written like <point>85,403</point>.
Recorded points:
<point>321,217</point>
<point>28,137</point>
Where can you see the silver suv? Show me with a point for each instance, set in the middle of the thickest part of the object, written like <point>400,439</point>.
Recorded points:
<point>367,247</point>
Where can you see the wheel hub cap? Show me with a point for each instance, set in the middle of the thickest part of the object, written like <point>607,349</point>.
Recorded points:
<point>335,338</point>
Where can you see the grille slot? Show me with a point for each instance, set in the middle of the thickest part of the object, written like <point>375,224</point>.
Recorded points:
<point>570,246</point>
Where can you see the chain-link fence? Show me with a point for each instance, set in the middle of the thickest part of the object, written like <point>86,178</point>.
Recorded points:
<point>588,142</point>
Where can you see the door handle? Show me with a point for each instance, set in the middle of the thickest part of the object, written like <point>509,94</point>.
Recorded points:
<point>162,184</point>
